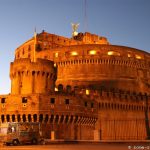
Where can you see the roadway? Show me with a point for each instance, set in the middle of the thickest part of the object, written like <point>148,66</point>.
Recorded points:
<point>82,146</point>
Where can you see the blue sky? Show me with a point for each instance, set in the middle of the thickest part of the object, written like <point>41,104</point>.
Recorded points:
<point>123,22</point>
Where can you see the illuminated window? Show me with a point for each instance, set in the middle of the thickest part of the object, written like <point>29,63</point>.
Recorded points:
<point>87,92</point>
<point>129,55</point>
<point>56,54</point>
<point>74,53</point>
<point>110,53</point>
<point>92,52</point>
<point>138,57</point>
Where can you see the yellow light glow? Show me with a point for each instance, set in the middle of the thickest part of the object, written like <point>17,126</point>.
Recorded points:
<point>74,53</point>
<point>87,92</point>
<point>55,65</point>
<point>138,57</point>
<point>129,55</point>
<point>56,89</point>
<point>110,53</point>
<point>92,52</point>
<point>56,54</point>
<point>75,33</point>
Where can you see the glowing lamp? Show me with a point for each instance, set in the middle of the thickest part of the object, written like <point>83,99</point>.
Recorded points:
<point>56,89</point>
<point>55,65</point>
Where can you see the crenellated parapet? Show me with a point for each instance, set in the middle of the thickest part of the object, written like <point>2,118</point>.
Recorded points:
<point>119,100</point>
<point>105,65</point>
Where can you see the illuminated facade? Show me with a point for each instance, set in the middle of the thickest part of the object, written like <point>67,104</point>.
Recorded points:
<point>79,88</point>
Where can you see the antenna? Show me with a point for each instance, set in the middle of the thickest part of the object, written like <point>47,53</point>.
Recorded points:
<point>85,16</point>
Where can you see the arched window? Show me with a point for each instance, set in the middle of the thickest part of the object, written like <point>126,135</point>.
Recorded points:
<point>18,118</point>
<point>52,118</point>
<point>13,118</point>
<point>57,118</point>
<point>2,118</point>
<point>46,118</point>
<point>29,117</point>
<point>68,89</point>
<point>60,87</point>
<point>35,117</point>
<point>41,118</point>
<point>24,118</point>
<point>8,118</point>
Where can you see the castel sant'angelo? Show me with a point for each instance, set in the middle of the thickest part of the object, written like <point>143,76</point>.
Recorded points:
<point>79,88</point>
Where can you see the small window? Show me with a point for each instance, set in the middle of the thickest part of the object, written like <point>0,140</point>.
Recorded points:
<point>74,53</point>
<point>24,100</point>
<point>138,57</point>
<point>29,48</point>
<point>85,104</point>
<point>92,52</point>
<point>18,55</point>
<point>56,54</point>
<point>92,105</point>
<point>23,51</point>
<point>113,53</point>
<point>52,100</point>
<point>129,55</point>
<point>29,56</point>
<point>87,92</point>
<point>3,100</point>
<point>67,101</point>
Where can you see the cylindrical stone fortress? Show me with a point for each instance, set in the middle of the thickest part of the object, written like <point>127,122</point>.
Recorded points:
<point>32,77</point>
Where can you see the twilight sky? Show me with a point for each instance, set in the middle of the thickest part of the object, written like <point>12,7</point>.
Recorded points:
<point>123,22</point>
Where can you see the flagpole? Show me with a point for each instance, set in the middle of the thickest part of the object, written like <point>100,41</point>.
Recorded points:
<point>34,49</point>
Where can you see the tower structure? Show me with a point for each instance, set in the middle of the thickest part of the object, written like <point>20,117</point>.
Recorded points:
<point>29,77</point>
